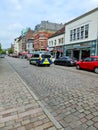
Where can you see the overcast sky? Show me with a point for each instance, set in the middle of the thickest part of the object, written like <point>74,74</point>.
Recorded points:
<point>18,14</point>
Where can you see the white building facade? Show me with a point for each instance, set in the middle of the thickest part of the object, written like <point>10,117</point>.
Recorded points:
<point>30,45</point>
<point>81,35</point>
<point>56,42</point>
<point>16,46</point>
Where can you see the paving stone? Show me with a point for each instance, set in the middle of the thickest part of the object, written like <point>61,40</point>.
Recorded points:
<point>52,128</point>
<point>64,92</point>
<point>95,119</point>
<point>90,116</point>
<point>89,123</point>
<point>96,125</point>
<point>91,128</point>
<point>2,125</point>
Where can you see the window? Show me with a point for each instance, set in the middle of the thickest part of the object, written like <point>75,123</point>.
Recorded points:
<point>95,59</point>
<point>42,35</point>
<point>42,44</point>
<point>60,41</point>
<point>70,35</point>
<point>46,56</point>
<point>87,59</point>
<point>55,42</point>
<point>79,33</point>
<point>35,55</point>
<point>82,32</point>
<point>74,34</point>
<point>86,31</point>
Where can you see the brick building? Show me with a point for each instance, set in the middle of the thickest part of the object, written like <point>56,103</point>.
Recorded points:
<point>26,35</point>
<point>42,32</point>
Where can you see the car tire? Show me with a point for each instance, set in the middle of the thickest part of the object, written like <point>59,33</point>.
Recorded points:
<point>37,64</point>
<point>96,70</point>
<point>78,67</point>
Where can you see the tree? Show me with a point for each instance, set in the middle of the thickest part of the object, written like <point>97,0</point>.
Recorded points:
<point>0,48</point>
<point>10,51</point>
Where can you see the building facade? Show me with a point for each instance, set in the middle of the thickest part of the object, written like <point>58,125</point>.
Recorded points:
<point>81,35</point>
<point>27,38</point>
<point>49,26</point>
<point>41,40</point>
<point>56,42</point>
<point>42,32</point>
<point>30,45</point>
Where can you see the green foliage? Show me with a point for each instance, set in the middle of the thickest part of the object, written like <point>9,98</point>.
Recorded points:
<point>0,49</point>
<point>3,52</point>
<point>10,51</point>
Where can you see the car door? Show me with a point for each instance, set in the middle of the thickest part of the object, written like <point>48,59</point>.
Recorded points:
<point>60,61</point>
<point>86,63</point>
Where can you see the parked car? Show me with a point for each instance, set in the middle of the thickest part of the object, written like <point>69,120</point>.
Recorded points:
<point>89,63</point>
<point>65,61</point>
<point>2,55</point>
<point>41,58</point>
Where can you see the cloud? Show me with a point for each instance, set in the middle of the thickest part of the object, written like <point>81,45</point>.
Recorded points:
<point>18,14</point>
<point>9,33</point>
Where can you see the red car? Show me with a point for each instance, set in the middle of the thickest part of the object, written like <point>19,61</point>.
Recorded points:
<point>89,63</point>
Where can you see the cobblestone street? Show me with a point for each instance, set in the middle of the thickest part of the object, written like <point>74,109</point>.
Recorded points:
<point>70,95</point>
<point>19,110</point>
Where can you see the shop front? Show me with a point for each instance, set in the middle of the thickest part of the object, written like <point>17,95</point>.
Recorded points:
<point>81,50</point>
<point>57,51</point>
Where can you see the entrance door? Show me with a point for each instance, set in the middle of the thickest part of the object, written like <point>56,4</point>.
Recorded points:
<point>85,53</point>
<point>76,54</point>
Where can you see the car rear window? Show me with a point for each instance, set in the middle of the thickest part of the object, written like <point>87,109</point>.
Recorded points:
<point>46,56</point>
<point>35,55</point>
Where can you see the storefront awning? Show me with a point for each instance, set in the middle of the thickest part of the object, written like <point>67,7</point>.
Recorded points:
<point>78,47</point>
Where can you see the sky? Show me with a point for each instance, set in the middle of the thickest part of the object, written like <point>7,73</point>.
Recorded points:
<point>16,15</point>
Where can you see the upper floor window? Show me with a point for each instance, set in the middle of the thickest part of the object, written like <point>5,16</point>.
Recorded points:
<point>86,30</point>
<point>79,33</point>
<point>42,44</point>
<point>54,42</point>
<point>60,40</point>
<point>42,35</point>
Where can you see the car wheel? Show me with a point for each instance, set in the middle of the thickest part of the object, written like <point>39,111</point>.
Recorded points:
<point>96,70</point>
<point>78,67</point>
<point>37,64</point>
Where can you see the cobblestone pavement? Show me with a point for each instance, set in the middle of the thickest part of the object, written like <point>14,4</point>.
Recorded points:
<point>70,95</point>
<point>19,110</point>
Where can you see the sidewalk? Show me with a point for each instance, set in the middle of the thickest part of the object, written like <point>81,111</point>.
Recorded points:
<point>19,107</point>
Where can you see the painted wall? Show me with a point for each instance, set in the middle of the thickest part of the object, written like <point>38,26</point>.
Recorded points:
<point>91,19</point>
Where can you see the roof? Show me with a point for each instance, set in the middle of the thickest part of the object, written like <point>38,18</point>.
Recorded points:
<point>59,32</point>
